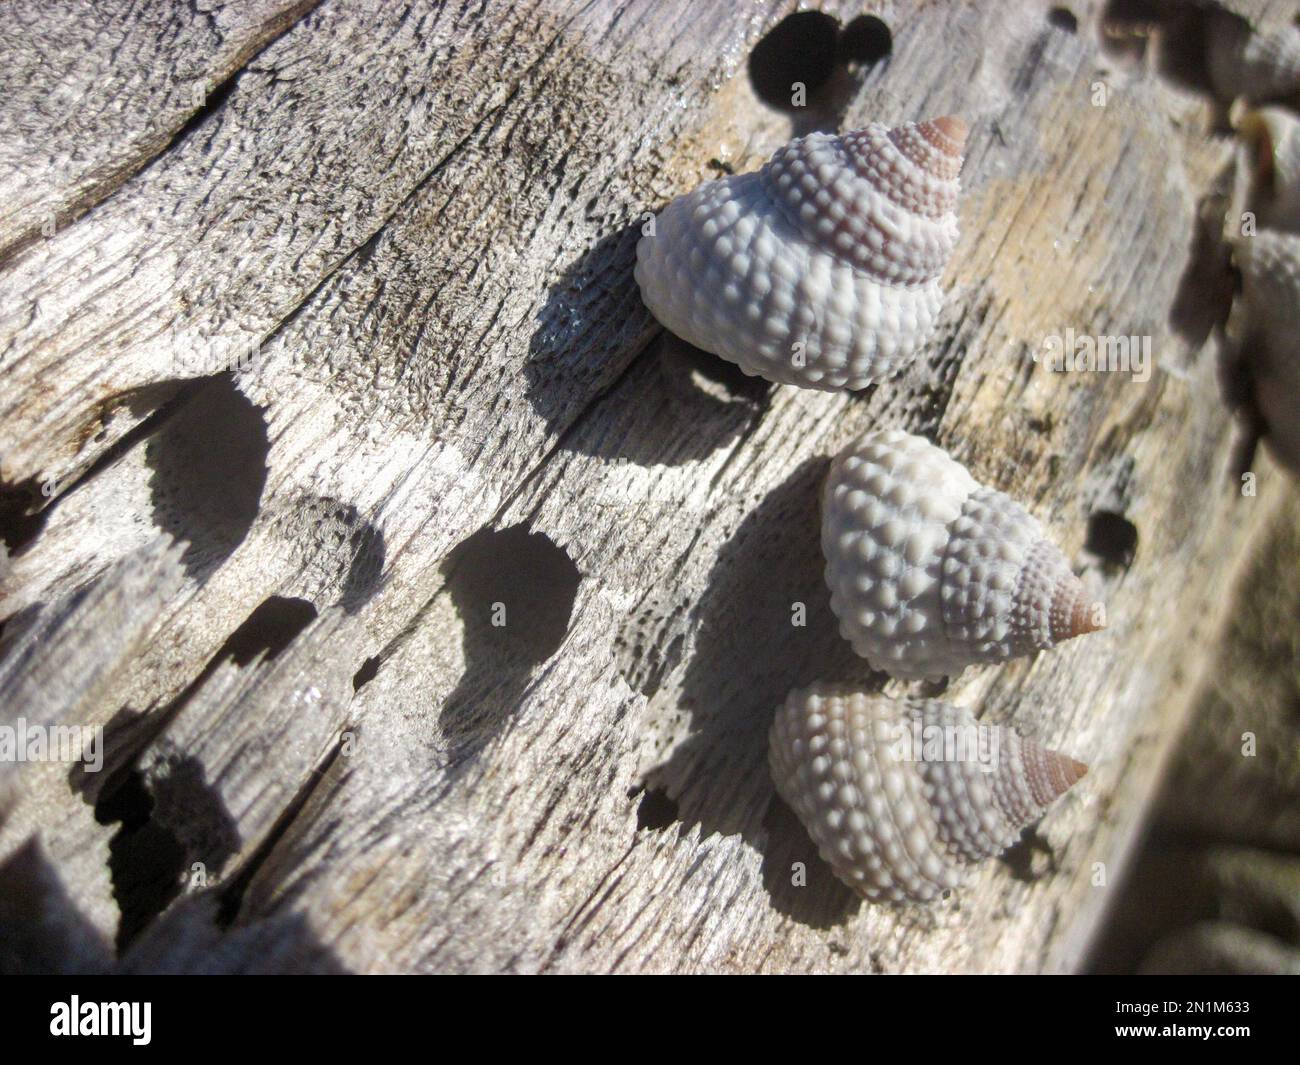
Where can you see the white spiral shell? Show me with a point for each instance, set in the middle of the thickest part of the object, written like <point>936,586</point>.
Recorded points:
<point>902,796</point>
<point>930,571</point>
<point>822,269</point>
<point>1260,65</point>
<point>1266,322</point>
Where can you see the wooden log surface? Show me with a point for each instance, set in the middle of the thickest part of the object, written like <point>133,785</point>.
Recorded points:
<point>309,384</point>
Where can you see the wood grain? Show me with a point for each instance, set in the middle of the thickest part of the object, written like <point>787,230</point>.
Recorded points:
<point>360,357</point>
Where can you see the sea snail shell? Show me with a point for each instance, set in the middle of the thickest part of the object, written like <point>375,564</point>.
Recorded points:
<point>930,571</point>
<point>821,269</point>
<point>1268,167</point>
<point>1260,65</point>
<point>901,796</point>
<point>1266,323</point>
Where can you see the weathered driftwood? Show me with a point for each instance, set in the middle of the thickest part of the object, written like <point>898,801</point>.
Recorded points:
<point>355,362</point>
<point>90,93</point>
<point>1215,885</point>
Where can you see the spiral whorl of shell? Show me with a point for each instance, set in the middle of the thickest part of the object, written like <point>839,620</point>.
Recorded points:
<point>1266,320</point>
<point>901,796</point>
<point>1260,65</point>
<point>930,571</point>
<point>821,269</point>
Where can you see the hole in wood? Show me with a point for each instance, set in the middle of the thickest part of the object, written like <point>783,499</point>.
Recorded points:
<point>1112,538</point>
<point>169,816</point>
<point>269,629</point>
<point>1030,858</point>
<point>369,671</point>
<point>800,50</point>
<point>1062,18</point>
<point>209,469</point>
<point>21,518</point>
<point>25,508</point>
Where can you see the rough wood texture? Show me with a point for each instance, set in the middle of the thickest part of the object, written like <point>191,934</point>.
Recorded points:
<point>89,93</point>
<point>359,356</point>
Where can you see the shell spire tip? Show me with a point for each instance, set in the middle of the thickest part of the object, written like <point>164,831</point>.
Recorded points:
<point>1075,612</point>
<point>1049,774</point>
<point>954,128</point>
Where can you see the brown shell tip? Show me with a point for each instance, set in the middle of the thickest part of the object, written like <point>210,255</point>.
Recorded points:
<point>954,129</point>
<point>1258,136</point>
<point>1070,770</point>
<point>1074,611</point>
<point>1050,774</point>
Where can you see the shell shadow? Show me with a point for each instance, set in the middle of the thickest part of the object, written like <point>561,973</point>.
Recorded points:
<point>590,329</point>
<point>827,64</point>
<point>514,591</point>
<point>338,555</point>
<point>750,652</point>
<point>43,930</point>
<point>650,397</point>
<point>208,466</point>
<point>1204,294</point>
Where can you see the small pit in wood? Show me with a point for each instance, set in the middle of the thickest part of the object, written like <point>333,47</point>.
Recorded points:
<point>1062,18</point>
<point>272,626</point>
<point>1030,858</point>
<point>339,555</point>
<point>1112,538</point>
<point>169,817</point>
<point>1126,26</point>
<point>21,520</point>
<point>1174,36</point>
<point>369,671</point>
<point>515,591</point>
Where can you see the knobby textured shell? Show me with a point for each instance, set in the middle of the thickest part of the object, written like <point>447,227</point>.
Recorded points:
<point>822,269</point>
<point>930,571</point>
<point>1268,167</point>
<point>1260,65</point>
<point>1266,321</point>
<point>901,796</point>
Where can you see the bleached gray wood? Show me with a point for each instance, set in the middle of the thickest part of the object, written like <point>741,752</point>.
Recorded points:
<point>421,222</point>
<point>90,92</point>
